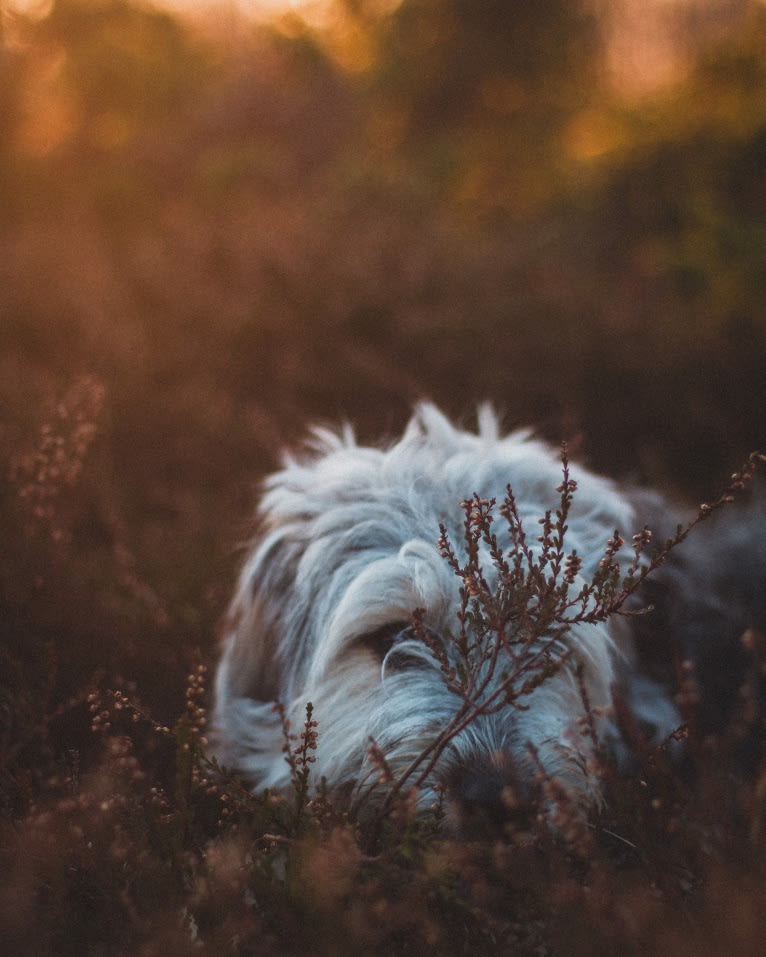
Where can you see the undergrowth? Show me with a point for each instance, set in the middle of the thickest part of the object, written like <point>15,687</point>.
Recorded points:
<point>140,843</point>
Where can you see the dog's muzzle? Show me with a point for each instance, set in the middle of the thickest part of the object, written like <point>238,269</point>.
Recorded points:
<point>487,798</point>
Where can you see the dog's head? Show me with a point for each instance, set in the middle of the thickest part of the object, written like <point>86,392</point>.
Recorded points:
<point>346,551</point>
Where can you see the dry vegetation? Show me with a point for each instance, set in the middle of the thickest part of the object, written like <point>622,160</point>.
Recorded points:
<point>211,234</point>
<point>141,843</point>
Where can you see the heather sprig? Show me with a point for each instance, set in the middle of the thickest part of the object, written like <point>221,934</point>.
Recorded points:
<point>512,627</point>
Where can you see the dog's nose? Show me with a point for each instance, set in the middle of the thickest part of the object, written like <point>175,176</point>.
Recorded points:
<point>486,799</point>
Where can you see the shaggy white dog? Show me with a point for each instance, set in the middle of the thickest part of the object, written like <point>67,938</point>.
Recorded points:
<point>346,551</point>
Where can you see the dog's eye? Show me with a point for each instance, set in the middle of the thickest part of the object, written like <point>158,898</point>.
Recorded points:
<point>381,640</point>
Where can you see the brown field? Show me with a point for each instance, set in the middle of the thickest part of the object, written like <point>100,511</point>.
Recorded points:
<point>214,232</point>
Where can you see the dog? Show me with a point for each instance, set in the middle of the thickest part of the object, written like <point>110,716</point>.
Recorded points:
<point>348,546</point>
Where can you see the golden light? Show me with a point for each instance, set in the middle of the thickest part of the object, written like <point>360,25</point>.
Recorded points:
<point>591,134</point>
<point>51,115</point>
<point>312,11</point>
<point>33,9</point>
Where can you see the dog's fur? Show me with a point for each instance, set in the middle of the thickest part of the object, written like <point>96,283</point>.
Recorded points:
<point>345,551</point>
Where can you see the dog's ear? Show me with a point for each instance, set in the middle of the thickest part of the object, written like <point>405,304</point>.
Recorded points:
<point>265,625</point>
<point>261,620</point>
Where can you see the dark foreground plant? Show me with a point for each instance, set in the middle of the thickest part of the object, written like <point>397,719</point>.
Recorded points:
<point>152,848</point>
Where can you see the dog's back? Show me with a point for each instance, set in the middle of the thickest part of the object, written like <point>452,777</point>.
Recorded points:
<point>706,627</point>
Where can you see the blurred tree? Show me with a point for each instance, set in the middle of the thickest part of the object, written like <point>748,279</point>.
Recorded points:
<point>679,266</point>
<point>481,91</point>
<point>127,64</point>
<point>109,87</point>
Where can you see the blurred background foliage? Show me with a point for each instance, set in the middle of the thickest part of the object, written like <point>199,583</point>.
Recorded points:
<point>215,229</point>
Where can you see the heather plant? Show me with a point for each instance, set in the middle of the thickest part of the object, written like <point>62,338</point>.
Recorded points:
<point>42,473</point>
<point>513,625</point>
